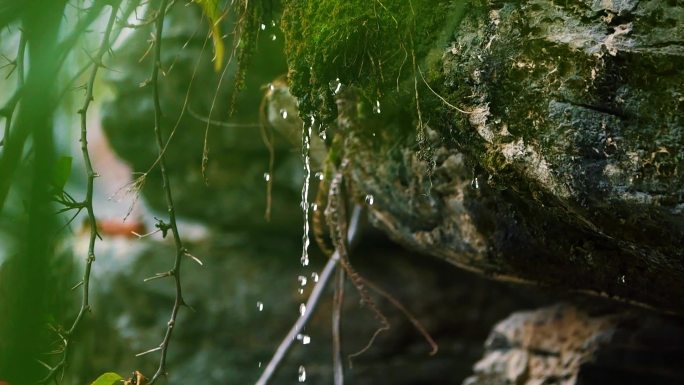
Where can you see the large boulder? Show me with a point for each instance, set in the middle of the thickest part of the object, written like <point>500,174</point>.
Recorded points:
<point>533,141</point>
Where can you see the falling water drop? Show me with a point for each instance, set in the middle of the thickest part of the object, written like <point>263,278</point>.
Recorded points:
<point>314,207</point>
<point>267,176</point>
<point>273,23</point>
<point>263,26</point>
<point>283,113</point>
<point>273,37</point>
<point>302,374</point>
<point>475,183</point>
<point>335,86</point>
<point>376,108</point>
<point>370,199</point>
<point>271,87</point>
<point>259,364</point>
<point>302,309</point>
<point>314,276</point>
<point>302,280</point>
<point>260,306</point>
<point>304,338</point>
<point>319,175</point>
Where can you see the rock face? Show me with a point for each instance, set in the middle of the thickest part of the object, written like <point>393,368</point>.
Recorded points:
<point>567,345</point>
<point>536,141</point>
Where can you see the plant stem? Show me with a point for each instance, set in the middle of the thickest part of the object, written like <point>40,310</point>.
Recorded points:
<point>180,250</point>
<point>88,201</point>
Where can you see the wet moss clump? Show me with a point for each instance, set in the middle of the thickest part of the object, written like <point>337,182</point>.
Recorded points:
<point>371,45</point>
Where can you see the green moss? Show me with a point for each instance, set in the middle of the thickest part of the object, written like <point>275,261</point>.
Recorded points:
<point>366,44</point>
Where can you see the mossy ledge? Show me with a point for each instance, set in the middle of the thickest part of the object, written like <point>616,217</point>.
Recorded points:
<point>566,169</point>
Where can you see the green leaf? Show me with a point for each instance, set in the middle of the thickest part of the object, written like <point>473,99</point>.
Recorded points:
<point>211,10</point>
<point>61,172</point>
<point>109,378</point>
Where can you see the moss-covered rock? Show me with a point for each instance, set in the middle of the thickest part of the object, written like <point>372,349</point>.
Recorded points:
<point>536,141</point>
<point>370,45</point>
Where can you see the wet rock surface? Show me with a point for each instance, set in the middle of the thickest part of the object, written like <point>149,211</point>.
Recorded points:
<point>566,345</point>
<point>563,166</point>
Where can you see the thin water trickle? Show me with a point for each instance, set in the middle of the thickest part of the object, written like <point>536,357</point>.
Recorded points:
<point>260,306</point>
<point>302,374</point>
<point>306,155</point>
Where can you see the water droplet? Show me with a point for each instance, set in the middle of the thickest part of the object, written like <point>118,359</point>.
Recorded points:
<point>263,26</point>
<point>259,364</point>
<point>302,374</point>
<point>271,87</point>
<point>302,280</point>
<point>273,37</point>
<point>260,306</point>
<point>622,279</point>
<point>376,108</point>
<point>370,200</point>
<point>302,309</point>
<point>335,86</point>
<point>314,276</point>
<point>304,338</point>
<point>300,291</point>
<point>323,135</point>
<point>267,176</point>
<point>314,207</point>
<point>319,175</point>
<point>273,23</point>
<point>475,183</point>
<point>283,113</point>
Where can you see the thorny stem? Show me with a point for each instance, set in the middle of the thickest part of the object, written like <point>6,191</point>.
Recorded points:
<point>88,201</point>
<point>178,302</point>
<point>311,302</point>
